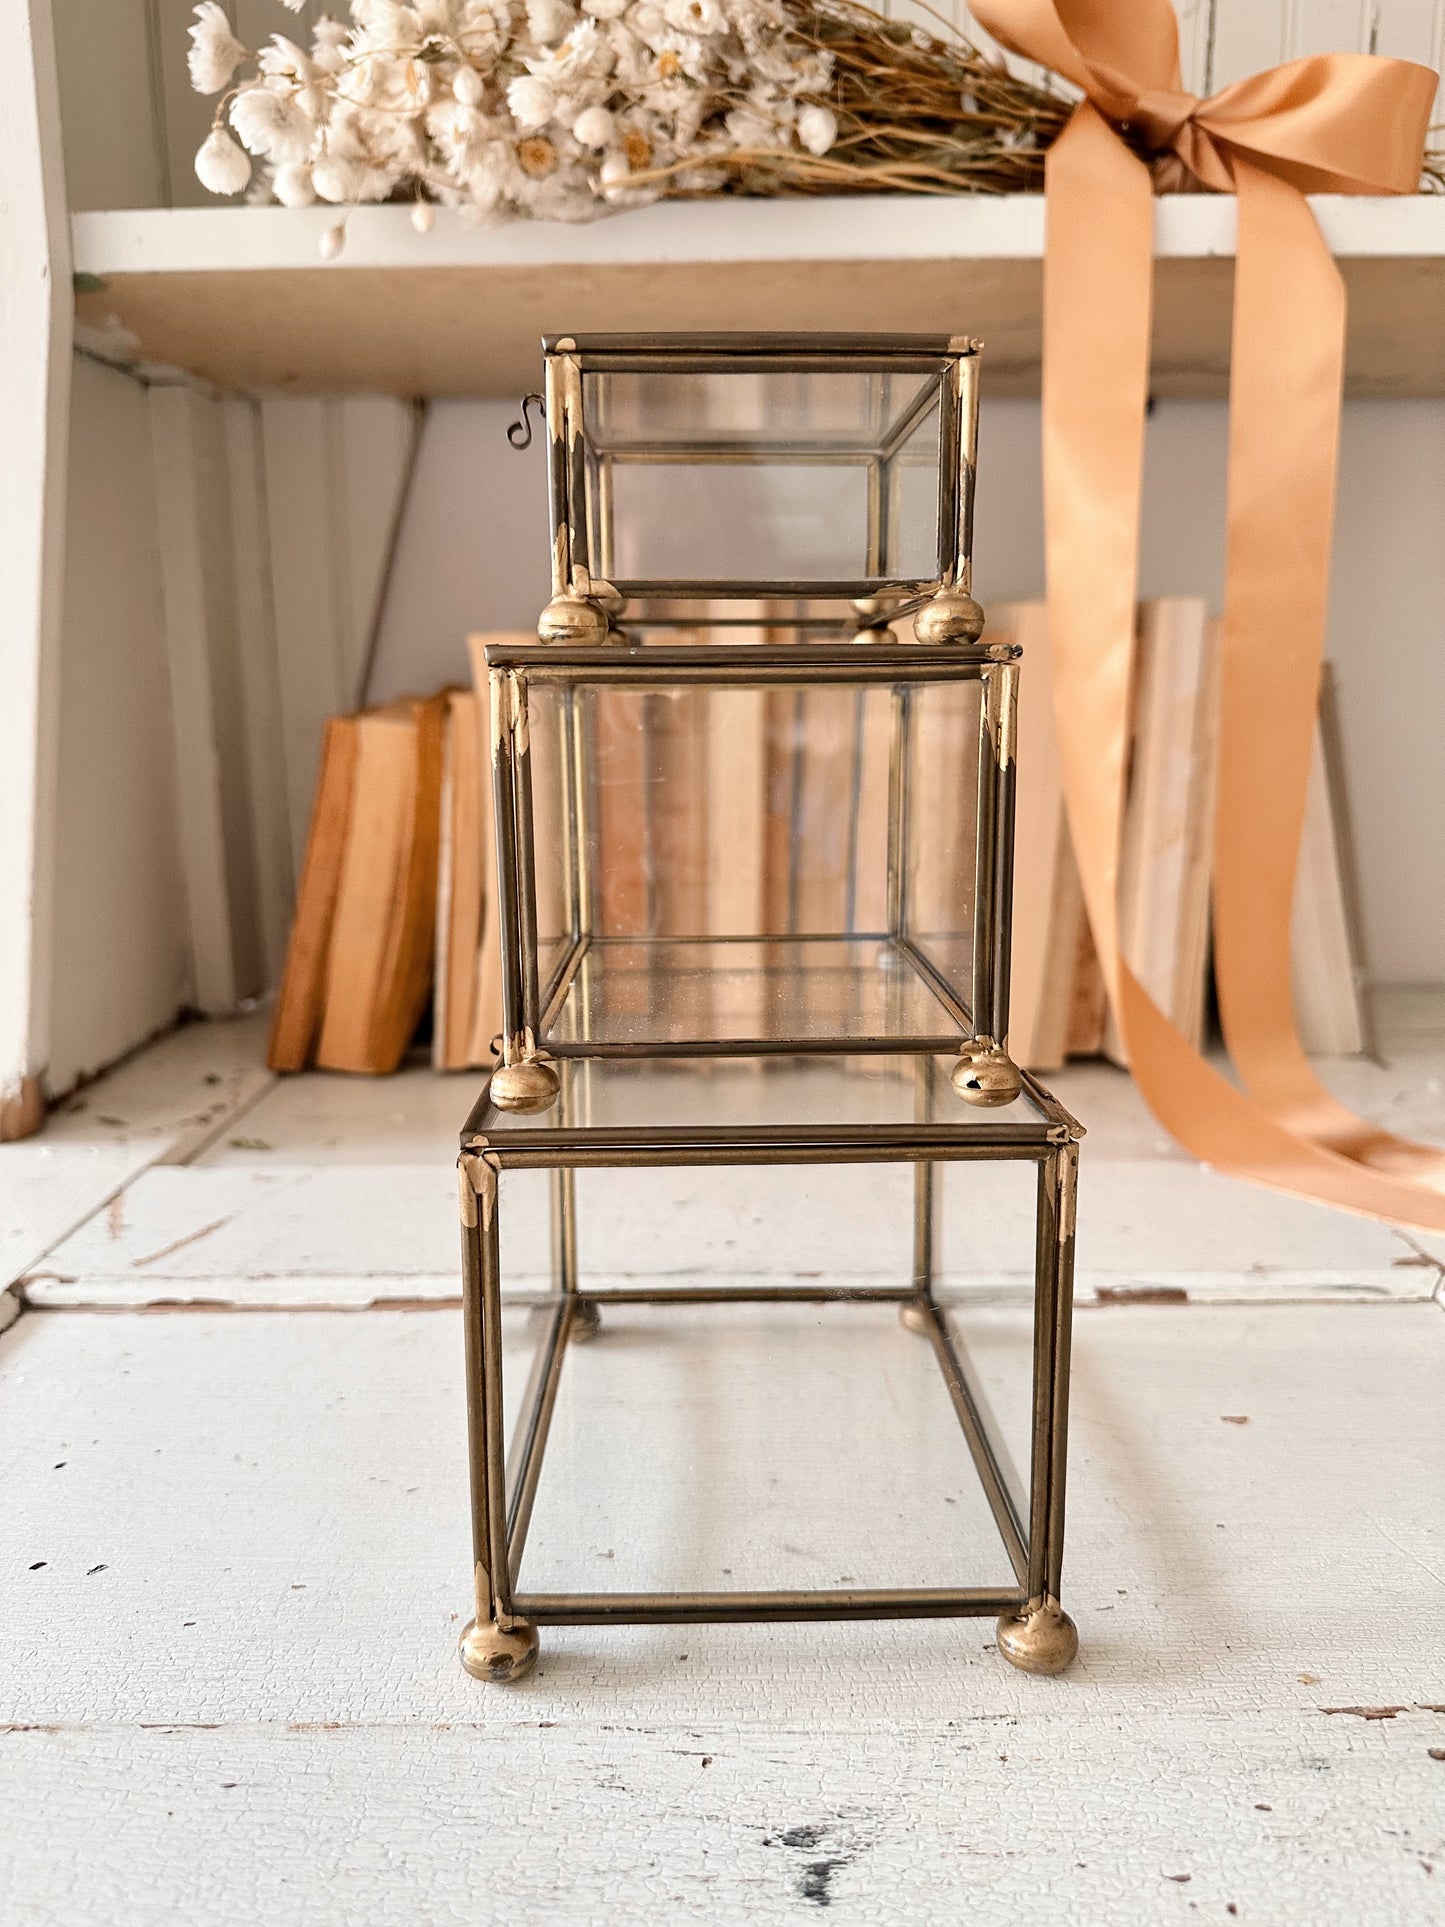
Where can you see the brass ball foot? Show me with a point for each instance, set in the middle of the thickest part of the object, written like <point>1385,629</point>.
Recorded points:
<point>986,1075</point>
<point>914,1316</point>
<point>528,1086</point>
<point>1041,1638</point>
<point>572,618</point>
<point>586,1322</point>
<point>950,616</point>
<point>500,1654</point>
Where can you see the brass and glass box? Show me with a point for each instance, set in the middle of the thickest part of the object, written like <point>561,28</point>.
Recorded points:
<point>912,1256</point>
<point>754,782</point>
<point>753,795</point>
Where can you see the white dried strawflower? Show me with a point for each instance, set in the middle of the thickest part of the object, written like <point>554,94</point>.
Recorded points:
<point>548,20</point>
<point>817,129</point>
<point>328,45</point>
<point>613,177</point>
<point>570,59</point>
<point>749,128</point>
<point>605,9</point>
<point>695,16</point>
<point>282,59</point>
<point>339,181</point>
<point>215,52</point>
<point>531,100</point>
<point>221,166</point>
<point>467,86</point>
<point>272,123</point>
<point>292,185</point>
<point>593,127</point>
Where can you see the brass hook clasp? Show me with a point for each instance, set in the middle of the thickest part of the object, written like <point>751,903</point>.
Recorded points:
<point>520,432</point>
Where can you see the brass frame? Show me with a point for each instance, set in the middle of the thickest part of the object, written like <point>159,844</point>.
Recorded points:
<point>531,1007</point>
<point>504,1484</point>
<point>581,554</point>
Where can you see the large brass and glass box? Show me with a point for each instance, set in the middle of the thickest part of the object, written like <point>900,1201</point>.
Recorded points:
<point>753,799</point>
<point>651,1478</point>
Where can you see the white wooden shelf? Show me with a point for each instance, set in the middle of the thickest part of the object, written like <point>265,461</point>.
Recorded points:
<point>242,297</point>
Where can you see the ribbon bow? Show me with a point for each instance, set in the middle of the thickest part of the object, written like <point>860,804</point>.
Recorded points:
<point>1335,123</point>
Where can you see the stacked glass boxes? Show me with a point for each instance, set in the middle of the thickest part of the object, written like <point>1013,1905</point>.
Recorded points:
<point>754,804</point>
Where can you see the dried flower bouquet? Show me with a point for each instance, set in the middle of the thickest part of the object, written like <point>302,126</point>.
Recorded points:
<point>563,110</point>
<point>496,107</point>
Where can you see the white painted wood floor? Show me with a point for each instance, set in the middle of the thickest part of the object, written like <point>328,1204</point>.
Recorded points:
<point>233,1550</point>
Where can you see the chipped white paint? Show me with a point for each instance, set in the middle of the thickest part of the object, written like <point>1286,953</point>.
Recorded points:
<point>113,1129</point>
<point>988,1820</point>
<point>236,1559</point>
<point>338,1191</point>
<point>260,1229</point>
<point>258,1523</point>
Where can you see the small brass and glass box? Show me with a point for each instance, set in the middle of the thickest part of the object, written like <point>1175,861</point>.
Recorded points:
<point>754,783</point>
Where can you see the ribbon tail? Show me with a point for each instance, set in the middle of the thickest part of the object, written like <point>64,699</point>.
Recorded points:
<point>1287,364</point>
<point>1097,298</point>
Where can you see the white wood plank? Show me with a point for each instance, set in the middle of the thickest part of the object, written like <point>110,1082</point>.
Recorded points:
<point>1196,43</point>
<point>36,319</point>
<point>336,475</point>
<point>885,227</point>
<point>106,57</point>
<point>259,1230</point>
<point>312,605</point>
<point>1328,27</point>
<point>99,1138</point>
<point>985,1818</point>
<point>278,1505</point>
<point>260,678</point>
<point>1249,35</point>
<point>482,505</point>
<point>120,890</point>
<point>198,588</point>
<point>372,444</point>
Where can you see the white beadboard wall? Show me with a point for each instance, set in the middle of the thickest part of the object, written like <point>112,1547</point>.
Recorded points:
<point>225,579</point>
<point>471,551</point>
<point>224,568</point>
<point>133,124</point>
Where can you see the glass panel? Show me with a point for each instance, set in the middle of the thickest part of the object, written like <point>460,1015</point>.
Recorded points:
<point>601,1093</point>
<point>737,812</point>
<point>766,1447</point>
<point>741,523</point>
<point>942,829</point>
<point>848,992</point>
<point>749,476</point>
<point>727,813</point>
<point>727,1447</point>
<point>911,543</point>
<point>548,710</point>
<point>754,409</point>
<point>984,1256</point>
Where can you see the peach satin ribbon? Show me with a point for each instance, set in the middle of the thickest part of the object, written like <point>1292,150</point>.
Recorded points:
<point>1345,123</point>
